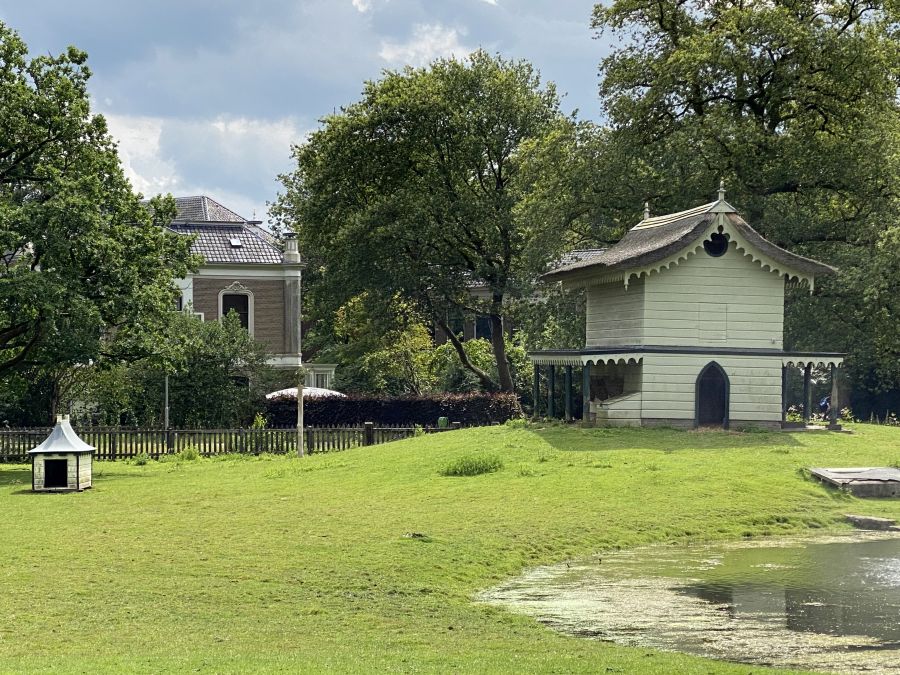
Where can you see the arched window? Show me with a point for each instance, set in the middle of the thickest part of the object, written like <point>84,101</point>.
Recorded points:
<point>712,397</point>
<point>237,298</point>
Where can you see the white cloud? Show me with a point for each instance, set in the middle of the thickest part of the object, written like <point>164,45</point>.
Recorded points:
<point>428,42</point>
<point>139,150</point>
<point>234,160</point>
<point>362,5</point>
<point>490,2</point>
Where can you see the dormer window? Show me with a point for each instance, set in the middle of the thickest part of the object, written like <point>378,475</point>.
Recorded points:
<point>235,242</point>
<point>716,245</point>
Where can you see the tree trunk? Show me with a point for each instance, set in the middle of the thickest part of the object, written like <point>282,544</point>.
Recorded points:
<point>55,396</point>
<point>498,342</point>
<point>482,376</point>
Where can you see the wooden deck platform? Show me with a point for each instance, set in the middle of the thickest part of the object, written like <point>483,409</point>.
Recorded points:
<point>862,481</point>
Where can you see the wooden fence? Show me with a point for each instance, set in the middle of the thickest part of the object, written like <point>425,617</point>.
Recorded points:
<point>124,443</point>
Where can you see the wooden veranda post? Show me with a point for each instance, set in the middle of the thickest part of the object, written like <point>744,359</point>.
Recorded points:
<point>784,404</point>
<point>586,394</point>
<point>807,405</point>
<point>568,396</point>
<point>301,381</point>
<point>536,391</point>
<point>551,392</point>
<point>833,408</point>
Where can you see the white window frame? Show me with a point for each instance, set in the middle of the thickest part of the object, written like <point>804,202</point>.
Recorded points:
<point>237,288</point>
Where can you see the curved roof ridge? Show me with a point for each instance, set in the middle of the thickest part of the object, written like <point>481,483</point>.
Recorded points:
<point>665,219</point>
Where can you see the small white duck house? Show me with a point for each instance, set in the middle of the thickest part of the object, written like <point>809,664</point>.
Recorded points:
<point>63,462</point>
<point>684,325</point>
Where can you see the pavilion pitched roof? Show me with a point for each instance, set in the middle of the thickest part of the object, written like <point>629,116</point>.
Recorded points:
<point>655,239</point>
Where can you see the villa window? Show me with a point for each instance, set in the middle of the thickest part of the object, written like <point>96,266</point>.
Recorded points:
<point>456,323</point>
<point>239,303</point>
<point>483,327</point>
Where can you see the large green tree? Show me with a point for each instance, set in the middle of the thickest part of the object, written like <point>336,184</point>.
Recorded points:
<point>86,271</point>
<point>217,372</point>
<point>417,192</point>
<point>794,103</point>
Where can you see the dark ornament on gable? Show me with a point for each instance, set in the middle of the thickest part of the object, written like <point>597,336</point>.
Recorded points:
<point>716,245</point>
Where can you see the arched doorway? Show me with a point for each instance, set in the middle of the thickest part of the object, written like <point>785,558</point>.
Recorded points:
<point>711,400</point>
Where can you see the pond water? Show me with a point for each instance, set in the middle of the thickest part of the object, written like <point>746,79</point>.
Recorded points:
<point>827,605</point>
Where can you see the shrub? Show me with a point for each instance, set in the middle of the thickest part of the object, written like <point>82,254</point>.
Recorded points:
<point>473,465</point>
<point>141,459</point>
<point>468,409</point>
<point>259,421</point>
<point>189,454</point>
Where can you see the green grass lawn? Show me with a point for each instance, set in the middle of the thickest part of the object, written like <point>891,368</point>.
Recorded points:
<point>278,563</point>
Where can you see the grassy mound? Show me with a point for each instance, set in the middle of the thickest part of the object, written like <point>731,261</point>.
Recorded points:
<point>368,560</point>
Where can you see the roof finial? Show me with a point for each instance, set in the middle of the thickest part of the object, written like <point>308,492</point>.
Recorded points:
<point>646,210</point>
<point>721,189</point>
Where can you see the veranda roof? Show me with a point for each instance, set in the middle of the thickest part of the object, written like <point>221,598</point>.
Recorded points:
<point>655,239</point>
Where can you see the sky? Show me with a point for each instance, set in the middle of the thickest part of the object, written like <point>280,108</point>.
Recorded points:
<point>208,96</point>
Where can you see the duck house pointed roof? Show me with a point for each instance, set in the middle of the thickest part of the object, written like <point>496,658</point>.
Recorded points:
<point>62,440</point>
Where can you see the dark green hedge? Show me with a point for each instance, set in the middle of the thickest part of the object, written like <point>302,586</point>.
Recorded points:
<point>469,409</point>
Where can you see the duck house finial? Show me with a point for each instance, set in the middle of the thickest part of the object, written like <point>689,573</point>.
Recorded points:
<point>721,189</point>
<point>646,210</point>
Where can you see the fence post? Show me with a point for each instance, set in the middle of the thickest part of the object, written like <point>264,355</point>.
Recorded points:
<point>112,444</point>
<point>369,433</point>
<point>242,441</point>
<point>456,425</point>
<point>170,441</point>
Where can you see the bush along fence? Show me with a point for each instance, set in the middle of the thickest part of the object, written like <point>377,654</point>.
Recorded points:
<point>125,443</point>
<point>468,409</point>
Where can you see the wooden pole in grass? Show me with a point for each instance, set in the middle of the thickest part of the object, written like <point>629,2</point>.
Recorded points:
<point>301,381</point>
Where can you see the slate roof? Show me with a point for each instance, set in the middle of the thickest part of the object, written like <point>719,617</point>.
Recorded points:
<point>203,209</point>
<point>215,227</point>
<point>655,239</point>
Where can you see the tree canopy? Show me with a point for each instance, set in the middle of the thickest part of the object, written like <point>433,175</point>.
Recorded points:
<point>416,191</point>
<point>86,270</point>
<point>218,379</point>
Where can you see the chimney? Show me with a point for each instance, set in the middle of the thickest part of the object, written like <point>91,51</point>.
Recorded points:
<point>291,252</point>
